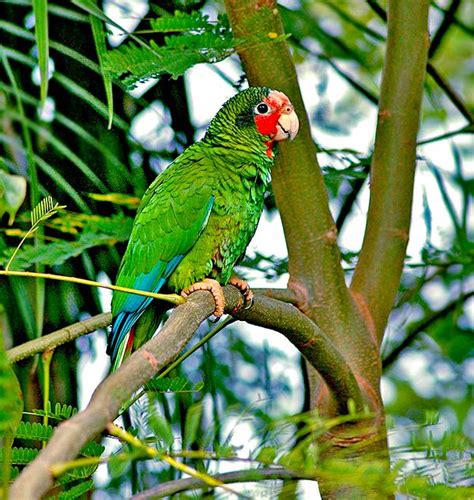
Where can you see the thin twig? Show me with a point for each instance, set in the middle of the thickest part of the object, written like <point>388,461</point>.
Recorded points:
<point>467,129</point>
<point>173,298</point>
<point>150,452</point>
<point>421,326</point>
<point>59,337</point>
<point>448,19</point>
<point>452,95</point>
<point>243,476</point>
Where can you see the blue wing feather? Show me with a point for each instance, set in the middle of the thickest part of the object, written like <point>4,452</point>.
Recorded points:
<point>132,307</point>
<point>135,305</point>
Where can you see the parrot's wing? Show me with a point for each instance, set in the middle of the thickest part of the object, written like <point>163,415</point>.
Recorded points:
<point>172,215</point>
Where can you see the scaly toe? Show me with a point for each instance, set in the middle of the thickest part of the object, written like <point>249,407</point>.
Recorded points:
<point>246,292</point>
<point>211,286</point>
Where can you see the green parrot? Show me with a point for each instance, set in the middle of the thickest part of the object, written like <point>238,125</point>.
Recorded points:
<point>198,216</point>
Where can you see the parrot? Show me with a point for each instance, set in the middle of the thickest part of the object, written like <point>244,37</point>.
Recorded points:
<point>197,217</point>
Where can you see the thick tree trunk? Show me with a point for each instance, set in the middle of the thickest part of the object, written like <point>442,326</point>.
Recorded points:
<point>353,319</point>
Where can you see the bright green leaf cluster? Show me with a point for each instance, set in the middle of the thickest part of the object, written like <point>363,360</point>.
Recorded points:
<point>201,41</point>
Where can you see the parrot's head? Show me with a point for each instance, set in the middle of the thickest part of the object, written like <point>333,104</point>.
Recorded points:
<point>256,117</point>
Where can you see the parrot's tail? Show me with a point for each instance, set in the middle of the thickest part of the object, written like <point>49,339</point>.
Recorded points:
<point>124,350</point>
<point>142,331</point>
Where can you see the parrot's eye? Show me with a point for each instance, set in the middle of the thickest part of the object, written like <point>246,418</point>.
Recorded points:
<point>262,108</point>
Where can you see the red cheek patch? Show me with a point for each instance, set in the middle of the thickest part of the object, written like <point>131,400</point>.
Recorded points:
<point>267,124</point>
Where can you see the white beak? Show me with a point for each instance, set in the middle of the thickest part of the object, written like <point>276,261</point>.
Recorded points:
<point>287,126</point>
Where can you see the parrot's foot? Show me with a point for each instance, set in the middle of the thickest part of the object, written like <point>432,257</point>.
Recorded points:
<point>245,290</point>
<point>211,286</point>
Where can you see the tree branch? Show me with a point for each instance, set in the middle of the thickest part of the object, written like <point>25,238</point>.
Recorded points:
<point>58,337</point>
<point>243,476</point>
<point>377,275</point>
<point>312,343</point>
<point>76,330</point>
<point>432,71</point>
<point>421,326</point>
<point>70,436</point>
<point>283,294</point>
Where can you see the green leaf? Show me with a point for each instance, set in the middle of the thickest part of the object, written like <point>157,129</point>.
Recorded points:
<point>267,455</point>
<point>117,465</point>
<point>21,456</point>
<point>93,449</point>
<point>117,199</point>
<point>70,85</point>
<point>136,64</point>
<point>97,231</point>
<point>63,412</point>
<point>44,210</point>
<point>200,42</point>
<point>11,406</point>
<point>12,194</point>
<point>99,40</point>
<point>40,9</point>
<point>181,21</point>
<point>192,423</point>
<point>161,428</point>
<point>204,43</point>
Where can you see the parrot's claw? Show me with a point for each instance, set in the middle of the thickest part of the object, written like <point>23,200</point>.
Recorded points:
<point>211,286</point>
<point>246,292</point>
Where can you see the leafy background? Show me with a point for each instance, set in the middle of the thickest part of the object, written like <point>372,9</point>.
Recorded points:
<point>251,380</point>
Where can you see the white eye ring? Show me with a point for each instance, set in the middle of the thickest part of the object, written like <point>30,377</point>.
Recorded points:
<point>262,108</point>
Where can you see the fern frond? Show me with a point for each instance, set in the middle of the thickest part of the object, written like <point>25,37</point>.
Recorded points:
<point>92,449</point>
<point>77,491</point>
<point>204,43</point>
<point>45,209</point>
<point>136,64</point>
<point>63,412</point>
<point>181,21</point>
<point>21,456</point>
<point>33,431</point>
<point>42,211</point>
<point>201,41</point>
<point>14,473</point>
<point>175,384</point>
